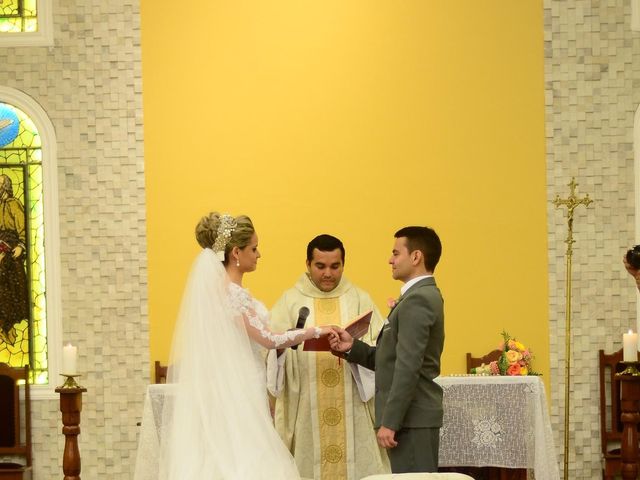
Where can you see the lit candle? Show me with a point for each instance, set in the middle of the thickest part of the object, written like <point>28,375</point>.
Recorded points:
<point>69,357</point>
<point>630,347</point>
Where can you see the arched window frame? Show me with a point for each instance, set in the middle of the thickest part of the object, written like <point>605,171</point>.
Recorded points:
<point>51,236</point>
<point>42,38</point>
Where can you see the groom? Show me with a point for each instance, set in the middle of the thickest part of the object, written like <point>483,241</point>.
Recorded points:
<point>406,357</point>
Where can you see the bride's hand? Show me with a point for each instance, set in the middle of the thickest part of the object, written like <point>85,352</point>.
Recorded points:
<point>327,329</point>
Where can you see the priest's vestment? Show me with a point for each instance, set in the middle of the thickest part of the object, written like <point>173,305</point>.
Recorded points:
<point>322,414</point>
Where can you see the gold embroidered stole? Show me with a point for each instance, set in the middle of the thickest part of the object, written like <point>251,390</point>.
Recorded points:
<point>331,398</point>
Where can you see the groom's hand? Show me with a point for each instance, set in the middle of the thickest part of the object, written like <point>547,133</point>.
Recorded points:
<point>386,437</point>
<point>340,340</point>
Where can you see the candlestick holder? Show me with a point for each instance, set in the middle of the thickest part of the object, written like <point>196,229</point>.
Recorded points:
<point>70,407</point>
<point>69,381</point>
<point>631,368</point>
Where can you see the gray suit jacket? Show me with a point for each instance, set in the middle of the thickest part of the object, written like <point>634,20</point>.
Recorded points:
<point>406,359</point>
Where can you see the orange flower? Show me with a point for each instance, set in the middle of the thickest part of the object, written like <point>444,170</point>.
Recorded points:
<point>513,370</point>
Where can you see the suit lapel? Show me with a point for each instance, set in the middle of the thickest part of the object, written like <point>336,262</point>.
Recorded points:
<point>424,281</point>
<point>388,316</point>
<point>400,298</point>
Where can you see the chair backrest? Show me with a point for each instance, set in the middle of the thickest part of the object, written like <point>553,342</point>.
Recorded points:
<point>610,424</point>
<point>161,373</point>
<point>15,423</point>
<point>473,362</point>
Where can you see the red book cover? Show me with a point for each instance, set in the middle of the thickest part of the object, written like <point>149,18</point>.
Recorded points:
<point>357,328</point>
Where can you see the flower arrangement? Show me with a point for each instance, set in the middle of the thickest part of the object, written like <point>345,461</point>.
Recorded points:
<point>514,360</point>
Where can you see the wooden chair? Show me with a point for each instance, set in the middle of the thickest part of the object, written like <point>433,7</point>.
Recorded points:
<point>610,424</point>
<point>161,373</point>
<point>15,423</point>
<point>473,362</point>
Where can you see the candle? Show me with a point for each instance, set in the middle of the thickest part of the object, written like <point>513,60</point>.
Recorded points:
<point>630,347</point>
<point>69,357</point>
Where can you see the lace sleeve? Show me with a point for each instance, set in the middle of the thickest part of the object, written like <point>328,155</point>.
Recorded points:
<point>243,303</point>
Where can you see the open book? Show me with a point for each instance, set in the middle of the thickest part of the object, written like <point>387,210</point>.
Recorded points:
<point>357,328</point>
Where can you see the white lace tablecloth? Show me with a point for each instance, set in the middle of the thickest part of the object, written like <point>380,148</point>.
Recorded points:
<point>498,421</point>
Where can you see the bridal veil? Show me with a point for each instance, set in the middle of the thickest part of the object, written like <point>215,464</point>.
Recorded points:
<point>217,424</point>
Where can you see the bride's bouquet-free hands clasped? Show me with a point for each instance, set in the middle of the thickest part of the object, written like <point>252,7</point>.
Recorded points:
<point>514,360</point>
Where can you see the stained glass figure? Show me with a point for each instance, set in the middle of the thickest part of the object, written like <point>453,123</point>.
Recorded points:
<point>23,327</point>
<point>14,301</point>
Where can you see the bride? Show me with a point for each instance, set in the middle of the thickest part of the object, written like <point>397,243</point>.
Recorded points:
<point>218,425</point>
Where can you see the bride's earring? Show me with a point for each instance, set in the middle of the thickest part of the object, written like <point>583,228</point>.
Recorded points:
<point>237,262</point>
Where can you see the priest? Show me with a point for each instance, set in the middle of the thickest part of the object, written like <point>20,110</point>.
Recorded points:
<point>324,407</point>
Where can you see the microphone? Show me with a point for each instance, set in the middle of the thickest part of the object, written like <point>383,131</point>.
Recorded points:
<point>303,313</point>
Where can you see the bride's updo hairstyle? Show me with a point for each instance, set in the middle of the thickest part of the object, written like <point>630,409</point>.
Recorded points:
<point>223,232</point>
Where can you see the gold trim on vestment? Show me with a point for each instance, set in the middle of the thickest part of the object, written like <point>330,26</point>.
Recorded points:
<point>331,398</point>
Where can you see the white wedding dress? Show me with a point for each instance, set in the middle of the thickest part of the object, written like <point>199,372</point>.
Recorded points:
<point>218,425</point>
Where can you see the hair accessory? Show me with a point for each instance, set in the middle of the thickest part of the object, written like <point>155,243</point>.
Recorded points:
<point>225,229</point>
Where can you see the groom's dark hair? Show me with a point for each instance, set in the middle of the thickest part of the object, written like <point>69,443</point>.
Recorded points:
<point>324,243</point>
<point>424,239</point>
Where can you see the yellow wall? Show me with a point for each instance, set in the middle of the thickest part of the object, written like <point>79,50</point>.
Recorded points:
<point>354,118</point>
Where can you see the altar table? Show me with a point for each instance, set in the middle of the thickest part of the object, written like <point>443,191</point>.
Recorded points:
<point>497,421</point>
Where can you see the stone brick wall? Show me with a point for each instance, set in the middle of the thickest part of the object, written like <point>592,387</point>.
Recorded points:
<point>592,64</point>
<point>89,83</point>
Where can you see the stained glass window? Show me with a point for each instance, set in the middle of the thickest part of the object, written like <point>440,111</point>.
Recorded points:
<point>18,16</point>
<point>23,322</point>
